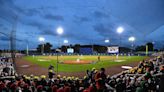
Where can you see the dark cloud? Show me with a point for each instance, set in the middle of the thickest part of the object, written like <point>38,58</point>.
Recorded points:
<point>36,24</point>
<point>84,19</point>
<point>44,29</point>
<point>35,11</point>
<point>3,38</point>
<point>29,12</point>
<point>99,14</point>
<point>5,29</point>
<point>7,38</point>
<point>11,12</point>
<point>104,30</point>
<point>7,14</point>
<point>81,19</point>
<point>107,31</point>
<point>145,19</point>
<point>54,17</point>
<point>47,32</point>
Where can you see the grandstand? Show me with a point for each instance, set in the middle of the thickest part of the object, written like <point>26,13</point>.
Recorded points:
<point>81,46</point>
<point>146,77</point>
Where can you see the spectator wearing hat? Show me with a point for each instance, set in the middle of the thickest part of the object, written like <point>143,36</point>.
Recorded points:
<point>43,80</point>
<point>93,73</point>
<point>51,74</point>
<point>51,67</point>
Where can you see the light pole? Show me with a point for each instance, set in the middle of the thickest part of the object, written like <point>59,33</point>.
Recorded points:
<point>65,43</point>
<point>120,30</point>
<point>27,49</point>
<point>106,41</point>
<point>153,45</point>
<point>59,31</point>
<point>132,39</point>
<point>92,48</point>
<point>42,39</point>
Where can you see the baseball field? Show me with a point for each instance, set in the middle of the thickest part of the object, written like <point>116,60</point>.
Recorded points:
<point>78,63</point>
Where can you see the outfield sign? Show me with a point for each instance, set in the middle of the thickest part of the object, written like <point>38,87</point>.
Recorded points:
<point>70,50</point>
<point>113,49</point>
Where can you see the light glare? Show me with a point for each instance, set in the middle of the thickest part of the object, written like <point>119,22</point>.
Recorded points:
<point>65,41</point>
<point>60,30</point>
<point>41,39</point>
<point>132,39</point>
<point>120,30</point>
<point>106,41</point>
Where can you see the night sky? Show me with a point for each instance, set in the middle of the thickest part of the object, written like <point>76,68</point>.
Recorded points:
<point>83,21</point>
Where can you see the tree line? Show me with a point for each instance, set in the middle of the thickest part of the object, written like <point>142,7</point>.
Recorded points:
<point>96,48</point>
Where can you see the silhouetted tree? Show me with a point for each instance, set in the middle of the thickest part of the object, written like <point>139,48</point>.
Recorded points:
<point>76,48</point>
<point>47,47</point>
<point>64,48</point>
<point>141,48</point>
<point>150,46</point>
<point>100,49</point>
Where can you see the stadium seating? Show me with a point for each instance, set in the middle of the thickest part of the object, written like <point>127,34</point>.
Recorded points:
<point>148,76</point>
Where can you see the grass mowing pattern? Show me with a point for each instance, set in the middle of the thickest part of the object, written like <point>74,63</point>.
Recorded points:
<point>106,61</point>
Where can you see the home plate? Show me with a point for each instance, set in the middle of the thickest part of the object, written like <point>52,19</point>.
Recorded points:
<point>24,66</point>
<point>126,67</point>
<point>119,60</point>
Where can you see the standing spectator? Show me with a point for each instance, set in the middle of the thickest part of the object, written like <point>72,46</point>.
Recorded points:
<point>51,67</point>
<point>51,74</point>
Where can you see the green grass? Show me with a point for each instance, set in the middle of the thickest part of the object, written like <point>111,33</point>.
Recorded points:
<point>106,61</point>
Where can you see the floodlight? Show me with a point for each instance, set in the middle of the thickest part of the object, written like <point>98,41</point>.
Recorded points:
<point>131,39</point>
<point>120,30</point>
<point>60,31</point>
<point>65,41</point>
<point>41,39</point>
<point>106,41</point>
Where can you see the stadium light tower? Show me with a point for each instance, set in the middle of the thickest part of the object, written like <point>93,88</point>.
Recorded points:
<point>27,47</point>
<point>42,39</point>
<point>153,44</point>
<point>65,41</point>
<point>132,39</point>
<point>59,31</point>
<point>120,30</point>
<point>106,41</point>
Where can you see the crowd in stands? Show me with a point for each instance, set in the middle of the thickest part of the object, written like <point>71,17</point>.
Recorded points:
<point>148,76</point>
<point>6,67</point>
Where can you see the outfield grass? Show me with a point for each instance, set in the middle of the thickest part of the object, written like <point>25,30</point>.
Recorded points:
<point>106,61</point>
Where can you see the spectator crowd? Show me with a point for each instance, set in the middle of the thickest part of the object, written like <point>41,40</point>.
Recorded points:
<point>6,67</point>
<point>148,76</point>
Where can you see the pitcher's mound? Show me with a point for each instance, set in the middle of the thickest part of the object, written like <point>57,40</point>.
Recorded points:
<point>78,62</point>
